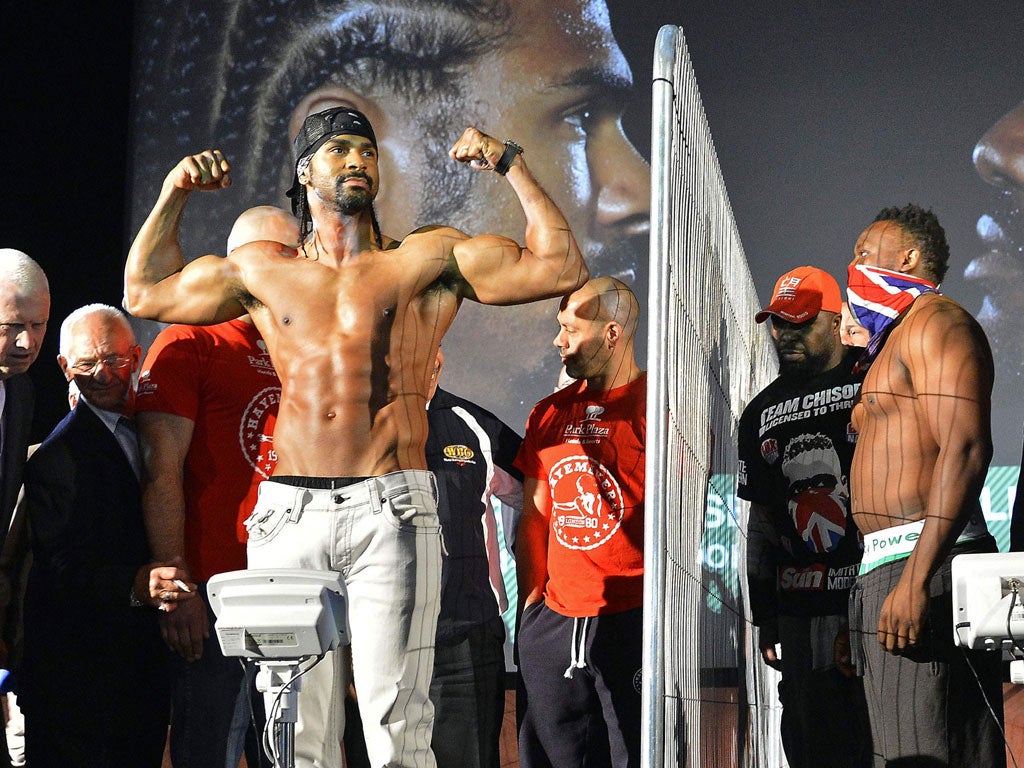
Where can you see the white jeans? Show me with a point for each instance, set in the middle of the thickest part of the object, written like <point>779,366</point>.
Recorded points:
<point>383,536</point>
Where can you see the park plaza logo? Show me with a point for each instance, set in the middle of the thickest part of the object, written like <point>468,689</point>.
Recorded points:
<point>146,385</point>
<point>586,503</point>
<point>262,362</point>
<point>458,454</point>
<point>588,426</point>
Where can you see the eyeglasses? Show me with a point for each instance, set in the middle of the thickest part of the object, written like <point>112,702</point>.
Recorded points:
<point>111,362</point>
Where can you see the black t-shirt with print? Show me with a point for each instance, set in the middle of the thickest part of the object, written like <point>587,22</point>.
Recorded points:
<point>795,449</point>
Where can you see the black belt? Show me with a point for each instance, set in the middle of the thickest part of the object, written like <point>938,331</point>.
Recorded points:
<point>319,483</point>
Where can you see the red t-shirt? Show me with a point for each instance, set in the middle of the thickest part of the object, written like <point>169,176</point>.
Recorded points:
<point>221,378</point>
<point>589,449</point>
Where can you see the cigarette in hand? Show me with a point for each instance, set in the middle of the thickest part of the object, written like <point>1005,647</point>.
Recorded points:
<point>181,585</point>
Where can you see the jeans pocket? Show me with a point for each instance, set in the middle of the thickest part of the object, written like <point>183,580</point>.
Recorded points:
<point>407,512</point>
<point>264,524</point>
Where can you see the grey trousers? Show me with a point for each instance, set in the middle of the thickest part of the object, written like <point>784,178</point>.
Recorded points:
<point>937,705</point>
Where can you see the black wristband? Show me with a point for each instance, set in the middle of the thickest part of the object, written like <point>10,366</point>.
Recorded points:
<point>511,150</point>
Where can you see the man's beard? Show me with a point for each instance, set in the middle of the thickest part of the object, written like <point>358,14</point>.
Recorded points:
<point>346,200</point>
<point>576,368</point>
<point>811,364</point>
<point>351,200</point>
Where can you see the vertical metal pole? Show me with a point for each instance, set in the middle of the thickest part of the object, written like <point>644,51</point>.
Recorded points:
<point>284,743</point>
<point>279,682</point>
<point>653,694</point>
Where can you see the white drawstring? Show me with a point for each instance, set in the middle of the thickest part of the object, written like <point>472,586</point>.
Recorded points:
<point>577,650</point>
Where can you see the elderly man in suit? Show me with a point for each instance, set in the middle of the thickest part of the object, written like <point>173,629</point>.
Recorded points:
<point>94,683</point>
<point>24,311</point>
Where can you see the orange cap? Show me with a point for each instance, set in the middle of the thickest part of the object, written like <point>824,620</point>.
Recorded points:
<point>801,294</point>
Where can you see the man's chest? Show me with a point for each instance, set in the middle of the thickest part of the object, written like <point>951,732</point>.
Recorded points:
<point>888,390</point>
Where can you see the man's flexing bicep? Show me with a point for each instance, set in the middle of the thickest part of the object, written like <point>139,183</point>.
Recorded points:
<point>497,270</point>
<point>205,291</point>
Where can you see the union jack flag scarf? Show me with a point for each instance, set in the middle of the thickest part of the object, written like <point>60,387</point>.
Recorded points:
<point>877,297</point>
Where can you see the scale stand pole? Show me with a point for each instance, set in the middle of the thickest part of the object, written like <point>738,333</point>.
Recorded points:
<point>278,682</point>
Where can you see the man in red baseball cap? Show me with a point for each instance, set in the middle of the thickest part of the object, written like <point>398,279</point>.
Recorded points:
<point>806,312</point>
<point>795,450</point>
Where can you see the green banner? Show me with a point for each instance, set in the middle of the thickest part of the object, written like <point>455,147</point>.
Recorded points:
<point>997,502</point>
<point>719,555</point>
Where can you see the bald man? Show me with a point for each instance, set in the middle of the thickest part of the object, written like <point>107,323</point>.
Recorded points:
<point>207,405</point>
<point>579,548</point>
<point>24,311</point>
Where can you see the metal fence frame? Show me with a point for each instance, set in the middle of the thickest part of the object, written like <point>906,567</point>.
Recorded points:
<point>706,359</point>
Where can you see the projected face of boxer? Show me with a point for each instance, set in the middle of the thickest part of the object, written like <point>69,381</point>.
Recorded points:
<point>557,83</point>
<point>999,159</point>
<point>546,73</point>
<point>818,492</point>
<point>565,109</point>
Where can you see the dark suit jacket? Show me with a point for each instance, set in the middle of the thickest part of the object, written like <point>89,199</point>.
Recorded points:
<point>17,427</point>
<point>94,677</point>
